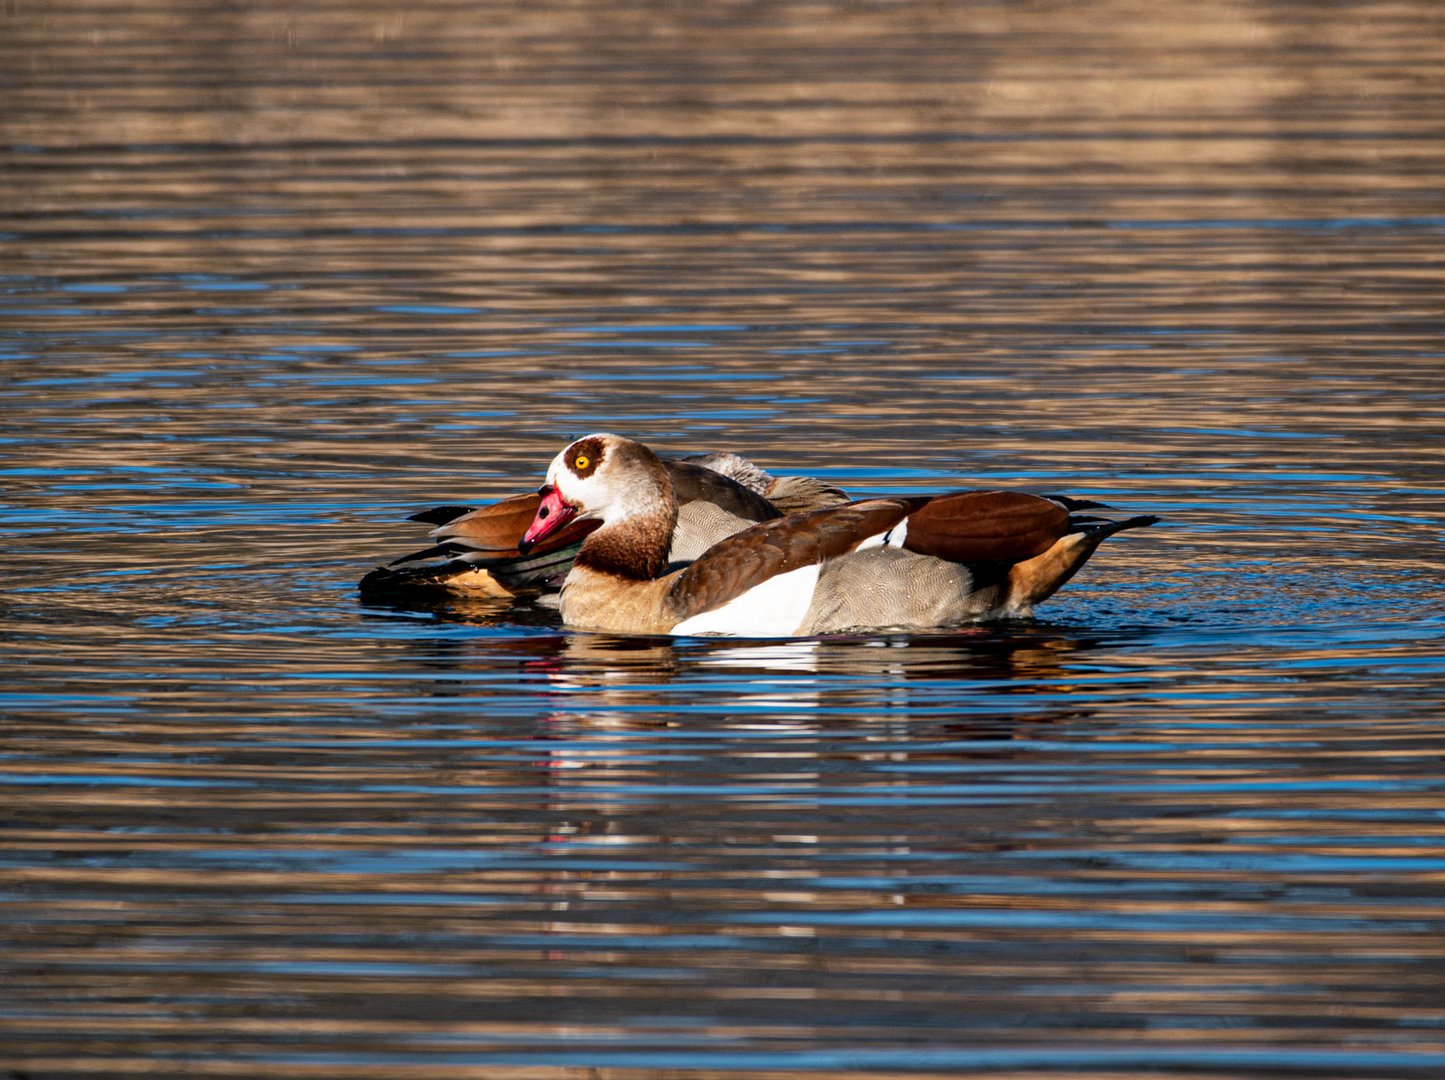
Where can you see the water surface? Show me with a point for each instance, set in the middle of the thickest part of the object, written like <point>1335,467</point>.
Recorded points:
<point>274,276</point>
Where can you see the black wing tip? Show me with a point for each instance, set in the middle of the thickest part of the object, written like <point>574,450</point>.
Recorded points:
<point>440,515</point>
<point>1106,527</point>
<point>429,553</point>
<point>1071,504</point>
<point>542,570</point>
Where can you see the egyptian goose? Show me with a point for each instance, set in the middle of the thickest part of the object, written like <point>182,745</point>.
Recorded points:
<point>717,495</point>
<point>889,562</point>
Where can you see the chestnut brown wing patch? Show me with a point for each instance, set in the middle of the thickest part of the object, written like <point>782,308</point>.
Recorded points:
<point>493,532</point>
<point>986,526</point>
<point>730,568</point>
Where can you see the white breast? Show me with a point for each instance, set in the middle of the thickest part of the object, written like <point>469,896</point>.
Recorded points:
<point>775,608</point>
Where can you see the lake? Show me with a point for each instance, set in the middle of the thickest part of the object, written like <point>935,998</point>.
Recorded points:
<point>274,276</point>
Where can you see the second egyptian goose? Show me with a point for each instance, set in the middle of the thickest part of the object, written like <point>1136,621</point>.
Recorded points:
<point>475,550</point>
<point>901,562</point>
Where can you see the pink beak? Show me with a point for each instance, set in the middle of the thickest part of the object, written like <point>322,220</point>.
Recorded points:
<point>554,513</point>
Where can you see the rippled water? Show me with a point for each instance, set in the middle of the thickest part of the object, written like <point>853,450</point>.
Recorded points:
<point>273,276</point>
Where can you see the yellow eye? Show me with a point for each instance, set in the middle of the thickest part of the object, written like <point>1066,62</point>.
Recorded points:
<point>581,461</point>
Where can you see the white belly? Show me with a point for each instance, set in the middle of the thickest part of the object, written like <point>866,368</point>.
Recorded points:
<point>775,608</point>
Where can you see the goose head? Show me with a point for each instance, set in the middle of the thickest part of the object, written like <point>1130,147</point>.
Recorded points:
<point>603,478</point>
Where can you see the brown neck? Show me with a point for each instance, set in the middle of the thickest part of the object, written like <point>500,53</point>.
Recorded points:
<point>635,548</point>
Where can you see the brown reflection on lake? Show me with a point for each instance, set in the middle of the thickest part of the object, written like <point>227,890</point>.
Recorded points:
<point>273,276</point>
